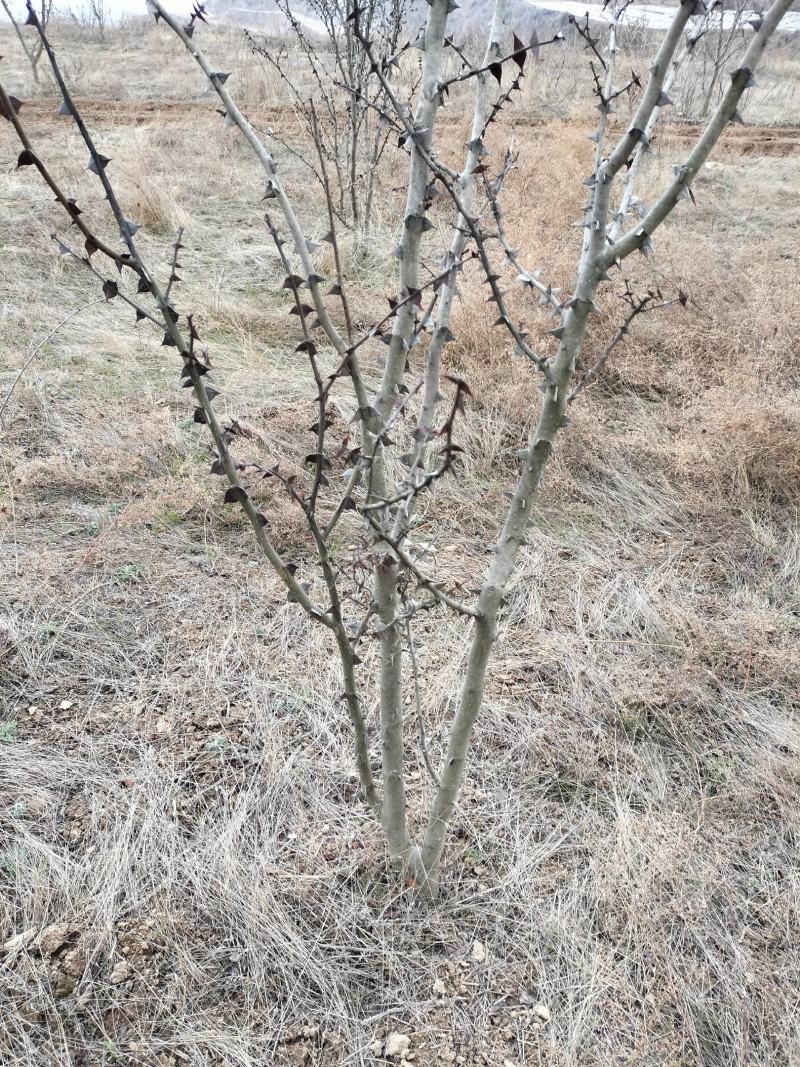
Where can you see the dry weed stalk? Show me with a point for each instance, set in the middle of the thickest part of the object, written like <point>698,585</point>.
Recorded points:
<point>380,589</point>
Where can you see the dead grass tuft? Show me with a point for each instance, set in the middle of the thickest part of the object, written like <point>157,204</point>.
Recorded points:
<point>154,207</point>
<point>749,443</point>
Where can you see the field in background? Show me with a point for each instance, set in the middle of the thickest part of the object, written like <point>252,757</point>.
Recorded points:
<point>185,875</point>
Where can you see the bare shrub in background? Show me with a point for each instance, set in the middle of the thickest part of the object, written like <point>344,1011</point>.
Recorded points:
<point>31,47</point>
<point>351,144</point>
<point>726,40</point>
<point>364,487</point>
<point>93,15</point>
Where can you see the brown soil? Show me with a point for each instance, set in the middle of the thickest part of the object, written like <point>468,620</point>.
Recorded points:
<point>781,140</point>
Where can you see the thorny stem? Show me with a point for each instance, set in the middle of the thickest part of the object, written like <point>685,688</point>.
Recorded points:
<point>332,223</point>
<point>276,187</point>
<point>69,206</point>
<point>441,331</point>
<point>604,95</point>
<point>175,264</point>
<point>726,111</point>
<point>447,178</point>
<point>195,370</point>
<point>141,312</point>
<point>638,307</point>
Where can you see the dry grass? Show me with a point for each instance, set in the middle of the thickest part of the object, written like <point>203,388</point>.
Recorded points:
<point>180,844</point>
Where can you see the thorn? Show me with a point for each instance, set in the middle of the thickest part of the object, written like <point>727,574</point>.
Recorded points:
<point>97,161</point>
<point>15,106</point>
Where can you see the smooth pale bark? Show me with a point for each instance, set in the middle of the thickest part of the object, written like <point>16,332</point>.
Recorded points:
<point>387,567</point>
<point>393,811</point>
<point>608,89</point>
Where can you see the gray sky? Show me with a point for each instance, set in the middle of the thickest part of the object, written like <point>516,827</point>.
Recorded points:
<point>652,15</point>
